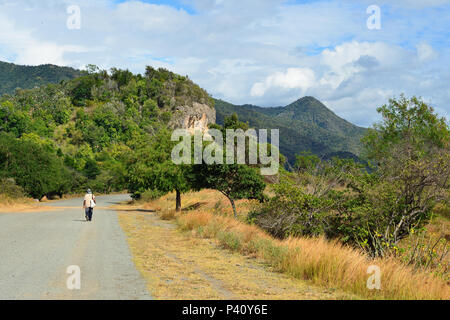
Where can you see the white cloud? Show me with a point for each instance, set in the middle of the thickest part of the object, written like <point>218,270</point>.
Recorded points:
<point>350,52</point>
<point>349,58</point>
<point>264,52</point>
<point>293,78</point>
<point>153,18</point>
<point>425,51</point>
<point>31,51</point>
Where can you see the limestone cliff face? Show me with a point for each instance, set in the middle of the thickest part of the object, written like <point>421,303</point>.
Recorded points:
<point>197,117</point>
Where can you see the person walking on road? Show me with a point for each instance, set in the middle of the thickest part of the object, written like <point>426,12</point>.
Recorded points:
<point>89,204</point>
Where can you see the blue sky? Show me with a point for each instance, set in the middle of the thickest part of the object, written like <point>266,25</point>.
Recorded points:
<point>184,5</point>
<point>264,52</point>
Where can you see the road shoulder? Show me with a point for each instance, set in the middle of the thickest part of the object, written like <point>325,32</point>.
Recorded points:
<point>178,265</point>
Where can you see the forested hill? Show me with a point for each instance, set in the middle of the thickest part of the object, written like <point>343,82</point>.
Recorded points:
<point>84,131</point>
<point>14,76</point>
<point>64,137</point>
<point>305,125</point>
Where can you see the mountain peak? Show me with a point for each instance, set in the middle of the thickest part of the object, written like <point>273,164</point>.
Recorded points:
<point>308,105</point>
<point>305,125</point>
<point>308,99</point>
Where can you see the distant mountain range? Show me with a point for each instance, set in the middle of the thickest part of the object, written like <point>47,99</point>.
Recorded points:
<point>305,125</point>
<point>14,76</point>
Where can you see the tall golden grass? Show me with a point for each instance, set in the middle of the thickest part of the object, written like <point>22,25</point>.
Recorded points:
<point>326,263</point>
<point>6,200</point>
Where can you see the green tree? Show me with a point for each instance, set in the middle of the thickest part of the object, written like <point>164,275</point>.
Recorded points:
<point>13,120</point>
<point>410,149</point>
<point>234,181</point>
<point>152,168</point>
<point>91,169</point>
<point>82,89</point>
<point>149,109</point>
<point>306,161</point>
<point>33,166</point>
<point>122,77</point>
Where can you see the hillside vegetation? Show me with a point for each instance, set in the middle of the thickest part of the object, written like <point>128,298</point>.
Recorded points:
<point>327,264</point>
<point>305,125</point>
<point>14,76</point>
<point>65,137</point>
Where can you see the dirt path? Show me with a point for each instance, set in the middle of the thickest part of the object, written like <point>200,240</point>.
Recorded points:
<point>178,265</point>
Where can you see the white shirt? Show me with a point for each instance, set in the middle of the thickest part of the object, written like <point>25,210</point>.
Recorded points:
<point>87,200</point>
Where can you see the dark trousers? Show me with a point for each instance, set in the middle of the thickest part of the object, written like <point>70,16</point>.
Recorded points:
<point>89,213</point>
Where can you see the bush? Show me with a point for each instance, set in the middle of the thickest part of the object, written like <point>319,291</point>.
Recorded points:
<point>10,189</point>
<point>230,240</point>
<point>148,195</point>
<point>371,210</point>
<point>34,167</point>
<point>291,212</point>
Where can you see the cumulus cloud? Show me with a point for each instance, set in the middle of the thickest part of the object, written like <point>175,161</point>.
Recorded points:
<point>265,52</point>
<point>345,60</point>
<point>425,51</point>
<point>28,50</point>
<point>293,78</point>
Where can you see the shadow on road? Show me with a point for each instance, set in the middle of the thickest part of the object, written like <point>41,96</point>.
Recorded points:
<point>135,210</point>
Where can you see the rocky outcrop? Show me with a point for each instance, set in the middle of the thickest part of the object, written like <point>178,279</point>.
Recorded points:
<point>197,117</point>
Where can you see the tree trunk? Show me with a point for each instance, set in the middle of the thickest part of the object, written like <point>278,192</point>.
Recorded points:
<point>234,207</point>
<point>178,208</point>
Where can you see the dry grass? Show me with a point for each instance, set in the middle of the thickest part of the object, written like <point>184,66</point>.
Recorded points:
<point>9,205</point>
<point>177,265</point>
<point>324,263</point>
<point>206,200</point>
<point>428,250</point>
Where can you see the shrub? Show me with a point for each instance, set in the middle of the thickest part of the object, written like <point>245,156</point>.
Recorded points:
<point>150,195</point>
<point>371,210</point>
<point>33,166</point>
<point>10,189</point>
<point>291,212</point>
<point>230,240</point>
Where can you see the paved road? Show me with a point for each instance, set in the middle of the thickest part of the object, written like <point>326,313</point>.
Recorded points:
<point>37,248</point>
